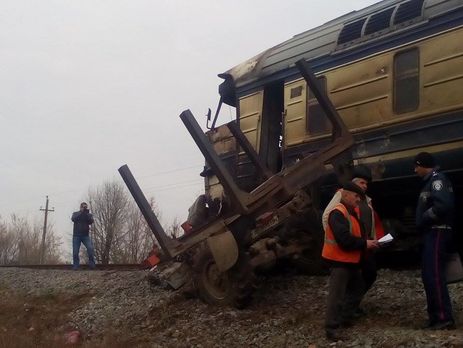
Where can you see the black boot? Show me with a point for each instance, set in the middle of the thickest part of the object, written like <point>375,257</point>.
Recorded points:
<point>333,335</point>
<point>443,325</point>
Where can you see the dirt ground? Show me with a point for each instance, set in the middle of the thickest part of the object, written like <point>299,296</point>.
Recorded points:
<point>34,321</point>
<point>112,311</point>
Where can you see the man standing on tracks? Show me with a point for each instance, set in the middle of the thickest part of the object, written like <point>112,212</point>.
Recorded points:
<point>82,220</point>
<point>434,217</point>
<point>343,248</point>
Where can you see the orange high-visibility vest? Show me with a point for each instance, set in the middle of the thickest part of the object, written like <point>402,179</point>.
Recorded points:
<point>331,249</point>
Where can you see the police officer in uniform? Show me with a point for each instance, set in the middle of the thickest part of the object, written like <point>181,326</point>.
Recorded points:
<point>434,215</point>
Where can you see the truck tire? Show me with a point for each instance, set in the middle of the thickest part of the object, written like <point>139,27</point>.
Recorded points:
<point>234,287</point>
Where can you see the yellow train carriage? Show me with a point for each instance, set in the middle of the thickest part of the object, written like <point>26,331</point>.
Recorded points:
<point>421,79</point>
<point>394,72</point>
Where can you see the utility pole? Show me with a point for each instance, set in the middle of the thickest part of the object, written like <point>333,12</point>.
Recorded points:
<point>44,233</point>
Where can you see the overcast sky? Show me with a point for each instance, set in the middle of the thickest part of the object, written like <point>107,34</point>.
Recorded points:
<point>88,85</point>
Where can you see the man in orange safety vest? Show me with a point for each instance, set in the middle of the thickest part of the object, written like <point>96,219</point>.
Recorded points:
<point>345,242</point>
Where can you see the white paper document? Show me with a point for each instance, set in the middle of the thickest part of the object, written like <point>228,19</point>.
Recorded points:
<point>386,239</point>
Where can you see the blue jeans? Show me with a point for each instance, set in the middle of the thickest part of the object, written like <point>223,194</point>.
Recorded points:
<point>85,240</point>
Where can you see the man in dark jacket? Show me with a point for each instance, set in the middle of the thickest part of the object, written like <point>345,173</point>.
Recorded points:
<point>434,215</point>
<point>372,227</point>
<point>82,220</point>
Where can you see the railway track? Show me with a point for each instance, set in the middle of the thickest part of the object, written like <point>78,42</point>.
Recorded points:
<point>68,267</point>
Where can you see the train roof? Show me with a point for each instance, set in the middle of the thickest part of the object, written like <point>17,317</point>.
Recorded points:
<point>358,28</point>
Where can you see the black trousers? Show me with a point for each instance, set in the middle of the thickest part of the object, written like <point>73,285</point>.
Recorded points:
<point>436,243</point>
<point>345,291</point>
<point>369,272</point>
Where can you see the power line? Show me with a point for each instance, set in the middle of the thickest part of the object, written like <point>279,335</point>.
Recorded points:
<point>152,188</point>
<point>175,185</point>
<point>170,171</point>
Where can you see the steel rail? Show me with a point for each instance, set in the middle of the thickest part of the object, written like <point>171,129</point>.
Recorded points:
<point>64,267</point>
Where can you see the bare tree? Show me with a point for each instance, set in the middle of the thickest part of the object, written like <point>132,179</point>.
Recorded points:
<point>109,204</point>
<point>29,241</point>
<point>136,241</point>
<point>20,242</point>
<point>53,243</point>
<point>120,232</point>
<point>174,230</point>
<point>8,244</point>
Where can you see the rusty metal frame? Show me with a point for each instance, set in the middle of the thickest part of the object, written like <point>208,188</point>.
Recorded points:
<point>167,244</point>
<point>237,196</point>
<point>262,169</point>
<point>273,193</point>
<point>339,128</point>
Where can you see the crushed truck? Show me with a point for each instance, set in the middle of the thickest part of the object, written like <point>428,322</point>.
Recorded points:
<point>371,88</point>
<point>224,250</point>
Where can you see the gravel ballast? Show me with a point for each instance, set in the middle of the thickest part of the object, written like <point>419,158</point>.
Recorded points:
<point>287,311</point>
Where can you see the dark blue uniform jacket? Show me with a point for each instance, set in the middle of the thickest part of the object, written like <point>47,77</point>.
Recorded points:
<point>435,206</point>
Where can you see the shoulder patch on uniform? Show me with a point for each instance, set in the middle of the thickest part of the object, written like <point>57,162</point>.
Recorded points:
<point>437,185</point>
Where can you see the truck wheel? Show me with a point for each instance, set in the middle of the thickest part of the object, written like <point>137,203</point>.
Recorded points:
<point>222,288</point>
<point>214,287</point>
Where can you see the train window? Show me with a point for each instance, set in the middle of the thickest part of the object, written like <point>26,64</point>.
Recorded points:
<point>406,81</point>
<point>351,31</point>
<point>408,10</point>
<point>296,92</point>
<point>317,121</point>
<point>379,21</point>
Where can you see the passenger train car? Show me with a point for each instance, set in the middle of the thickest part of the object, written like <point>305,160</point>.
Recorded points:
<point>394,72</point>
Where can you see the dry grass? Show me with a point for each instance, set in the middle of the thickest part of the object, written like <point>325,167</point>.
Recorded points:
<point>41,322</point>
<point>27,321</point>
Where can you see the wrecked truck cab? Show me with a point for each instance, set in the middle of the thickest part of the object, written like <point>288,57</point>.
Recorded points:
<point>224,253</point>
